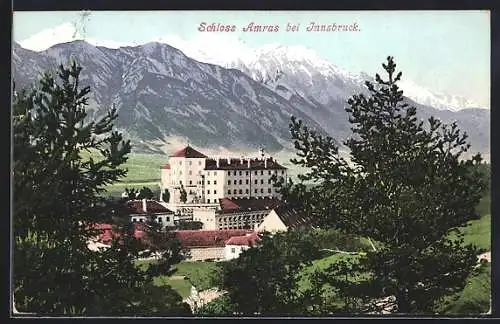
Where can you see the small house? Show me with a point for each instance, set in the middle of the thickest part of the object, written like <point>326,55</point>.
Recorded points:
<point>237,244</point>
<point>147,209</point>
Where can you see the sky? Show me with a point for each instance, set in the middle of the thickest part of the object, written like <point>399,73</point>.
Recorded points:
<point>446,51</point>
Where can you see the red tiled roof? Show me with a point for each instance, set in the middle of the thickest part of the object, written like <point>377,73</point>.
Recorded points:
<point>166,166</point>
<point>246,240</point>
<point>228,204</point>
<point>247,204</point>
<point>108,234</point>
<point>101,226</point>
<point>152,207</point>
<point>216,238</point>
<point>236,164</point>
<point>188,152</point>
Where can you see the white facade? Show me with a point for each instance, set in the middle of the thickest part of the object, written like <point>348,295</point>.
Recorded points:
<point>164,219</point>
<point>234,251</point>
<point>271,223</point>
<point>207,217</point>
<point>206,180</point>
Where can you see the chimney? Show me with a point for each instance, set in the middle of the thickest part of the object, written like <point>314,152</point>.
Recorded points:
<point>261,151</point>
<point>144,205</point>
<point>228,160</point>
<point>241,160</point>
<point>265,163</point>
<point>248,160</point>
<point>218,162</point>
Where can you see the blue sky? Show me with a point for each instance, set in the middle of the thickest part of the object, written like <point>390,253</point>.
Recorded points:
<point>446,51</point>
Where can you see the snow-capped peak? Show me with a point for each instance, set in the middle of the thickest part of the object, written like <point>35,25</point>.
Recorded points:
<point>49,37</point>
<point>300,68</point>
<point>64,33</point>
<point>436,100</point>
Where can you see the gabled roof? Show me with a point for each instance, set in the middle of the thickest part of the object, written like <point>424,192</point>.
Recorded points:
<point>108,233</point>
<point>247,204</point>
<point>293,218</point>
<point>227,204</point>
<point>189,152</point>
<point>245,240</point>
<point>152,207</point>
<point>242,164</point>
<point>203,238</point>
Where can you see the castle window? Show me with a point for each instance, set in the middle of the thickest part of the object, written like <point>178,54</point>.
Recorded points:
<point>255,190</point>
<point>261,172</point>
<point>229,192</point>
<point>246,172</point>
<point>190,182</point>
<point>246,191</point>
<point>208,182</point>
<point>234,181</point>
<point>256,181</point>
<point>269,172</point>
<point>228,172</point>
<point>282,172</point>
<point>234,191</point>
<point>269,190</point>
<point>234,173</point>
<point>255,172</point>
<point>215,191</point>
<point>241,191</point>
<point>168,218</point>
<point>208,192</point>
<point>208,201</point>
<point>190,172</point>
<point>190,162</point>
<point>261,181</point>
<point>228,182</point>
<point>208,173</point>
<point>241,173</point>
<point>246,181</point>
<point>261,190</point>
<point>240,181</point>
<point>269,181</point>
<point>215,182</point>
<point>199,162</point>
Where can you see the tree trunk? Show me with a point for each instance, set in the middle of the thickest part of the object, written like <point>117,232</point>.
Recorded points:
<point>403,302</point>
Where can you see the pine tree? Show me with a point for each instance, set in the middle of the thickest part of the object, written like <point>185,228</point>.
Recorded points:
<point>57,200</point>
<point>166,196</point>
<point>183,197</point>
<point>406,187</point>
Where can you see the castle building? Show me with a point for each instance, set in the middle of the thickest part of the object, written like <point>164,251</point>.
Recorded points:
<point>205,180</point>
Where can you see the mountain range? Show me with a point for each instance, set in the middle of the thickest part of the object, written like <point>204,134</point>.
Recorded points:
<point>164,97</point>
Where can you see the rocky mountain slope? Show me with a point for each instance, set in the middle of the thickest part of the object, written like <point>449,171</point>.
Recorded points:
<point>162,95</point>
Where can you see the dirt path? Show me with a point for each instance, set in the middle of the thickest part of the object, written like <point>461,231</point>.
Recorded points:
<point>203,298</point>
<point>177,277</point>
<point>486,256</point>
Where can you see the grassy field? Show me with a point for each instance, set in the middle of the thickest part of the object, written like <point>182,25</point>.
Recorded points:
<point>478,231</point>
<point>484,206</point>
<point>143,171</point>
<point>116,189</point>
<point>474,299</point>
<point>199,274</point>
